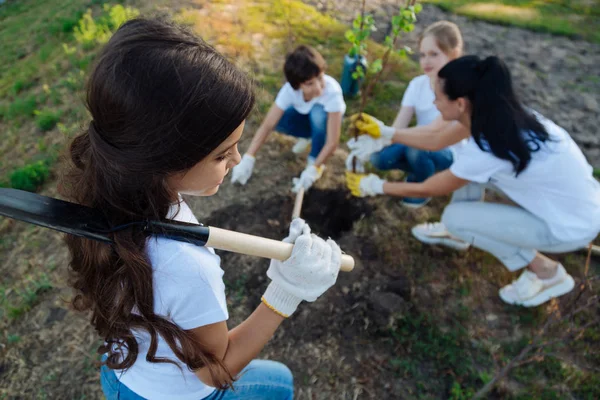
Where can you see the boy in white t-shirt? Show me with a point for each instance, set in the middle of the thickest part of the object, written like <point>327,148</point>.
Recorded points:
<point>309,106</point>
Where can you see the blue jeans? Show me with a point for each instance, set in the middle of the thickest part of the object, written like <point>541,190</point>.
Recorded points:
<point>420,164</point>
<point>260,380</point>
<point>312,125</point>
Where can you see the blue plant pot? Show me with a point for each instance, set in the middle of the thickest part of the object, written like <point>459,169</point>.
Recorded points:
<point>351,86</point>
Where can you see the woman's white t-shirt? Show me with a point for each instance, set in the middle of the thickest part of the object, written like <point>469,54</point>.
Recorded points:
<point>331,99</point>
<point>188,290</point>
<point>420,95</point>
<point>557,186</point>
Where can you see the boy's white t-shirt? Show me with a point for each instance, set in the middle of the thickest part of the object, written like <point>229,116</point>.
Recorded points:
<point>557,186</point>
<point>419,94</point>
<point>188,290</point>
<point>331,99</point>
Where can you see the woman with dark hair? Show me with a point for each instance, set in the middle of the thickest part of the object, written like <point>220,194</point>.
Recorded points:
<point>167,113</point>
<point>518,152</point>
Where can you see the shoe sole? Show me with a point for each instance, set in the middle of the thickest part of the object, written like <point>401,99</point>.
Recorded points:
<point>453,244</point>
<point>550,293</point>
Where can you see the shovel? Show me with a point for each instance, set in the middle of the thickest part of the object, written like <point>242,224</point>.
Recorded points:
<point>89,223</point>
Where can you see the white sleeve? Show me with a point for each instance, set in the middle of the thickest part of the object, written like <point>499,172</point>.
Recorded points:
<point>411,94</point>
<point>476,165</point>
<point>334,103</point>
<point>334,99</point>
<point>285,97</point>
<point>191,287</point>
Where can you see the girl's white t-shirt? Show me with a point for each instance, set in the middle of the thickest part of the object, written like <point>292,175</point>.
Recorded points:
<point>557,186</point>
<point>420,95</point>
<point>331,99</point>
<point>188,290</point>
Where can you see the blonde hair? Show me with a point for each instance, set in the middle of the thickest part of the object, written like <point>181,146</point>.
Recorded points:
<point>447,36</point>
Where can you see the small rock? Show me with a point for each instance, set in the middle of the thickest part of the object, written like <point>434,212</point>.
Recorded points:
<point>589,102</point>
<point>491,317</point>
<point>388,303</point>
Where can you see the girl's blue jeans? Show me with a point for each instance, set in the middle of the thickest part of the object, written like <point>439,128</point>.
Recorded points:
<point>310,126</point>
<point>420,164</point>
<point>260,380</point>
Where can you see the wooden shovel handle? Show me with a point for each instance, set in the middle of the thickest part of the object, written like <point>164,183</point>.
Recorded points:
<point>298,204</point>
<point>242,243</point>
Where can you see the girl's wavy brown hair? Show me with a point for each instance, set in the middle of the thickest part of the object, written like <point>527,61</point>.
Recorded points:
<point>161,100</point>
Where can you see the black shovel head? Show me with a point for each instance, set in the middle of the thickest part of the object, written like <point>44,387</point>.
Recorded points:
<point>55,214</point>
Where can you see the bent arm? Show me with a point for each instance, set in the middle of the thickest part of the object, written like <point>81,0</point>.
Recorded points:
<point>433,137</point>
<point>440,184</point>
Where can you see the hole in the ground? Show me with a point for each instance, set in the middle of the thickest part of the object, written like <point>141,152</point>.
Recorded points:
<point>332,212</point>
<point>329,213</point>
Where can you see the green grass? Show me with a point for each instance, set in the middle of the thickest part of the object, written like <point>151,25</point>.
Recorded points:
<point>573,18</point>
<point>442,358</point>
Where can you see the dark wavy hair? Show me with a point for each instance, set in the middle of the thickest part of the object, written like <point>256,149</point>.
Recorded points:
<point>499,122</point>
<point>161,99</point>
<point>303,64</point>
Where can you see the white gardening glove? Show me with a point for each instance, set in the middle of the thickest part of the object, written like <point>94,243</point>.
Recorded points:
<point>243,171</point>
<point>361,185</point>
<point>312,268</point>
<point>365,145</point>
<point>359,164</point>
<point>307,178</point>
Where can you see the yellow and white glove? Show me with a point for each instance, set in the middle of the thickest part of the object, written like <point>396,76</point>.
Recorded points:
<point>362,185</point>
<point>369,125</point>
<point>365,145</point>
<point>307,178</point>
<point>312,268</point>
<point>243,171</point>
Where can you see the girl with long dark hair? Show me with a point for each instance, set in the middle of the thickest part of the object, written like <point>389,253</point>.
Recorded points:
<point>167,113</point>
<point>518,152</point>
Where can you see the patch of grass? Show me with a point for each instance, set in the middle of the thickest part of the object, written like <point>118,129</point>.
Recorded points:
<point>438,354</point>
<point>12,339</point>
<point>573,18</point>
<point>46,119</point>
<point>26,297</point>
<point>31,176</point>
<point>21,107</point>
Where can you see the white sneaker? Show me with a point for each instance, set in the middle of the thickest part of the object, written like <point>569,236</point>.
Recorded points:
<point>531,291</point>
<point>436,233</point>
<point>301,146</point>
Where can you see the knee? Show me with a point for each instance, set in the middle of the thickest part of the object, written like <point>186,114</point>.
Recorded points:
<point>415,156</point>
<point>452,217</point>
<point>273,371</point>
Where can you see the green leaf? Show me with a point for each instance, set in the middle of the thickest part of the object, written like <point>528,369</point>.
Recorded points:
<point>350,36</point>
<point>375,67</point>
<point>418,8</point>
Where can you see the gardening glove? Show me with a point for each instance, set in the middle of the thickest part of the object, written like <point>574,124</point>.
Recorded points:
<point>365,145</point>
<point>243,171</point>
<point>312,268</point>
<point>307,178</point>
<point>369,125</point>
<point>360,166</point>
<point>362,185</point>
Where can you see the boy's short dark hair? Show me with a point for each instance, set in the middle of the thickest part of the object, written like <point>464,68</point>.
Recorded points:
<point>302,64</point>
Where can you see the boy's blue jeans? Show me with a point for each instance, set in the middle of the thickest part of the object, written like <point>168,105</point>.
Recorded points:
<point>420,164</point>
<point>311,126</point>
<point>260,380</point>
